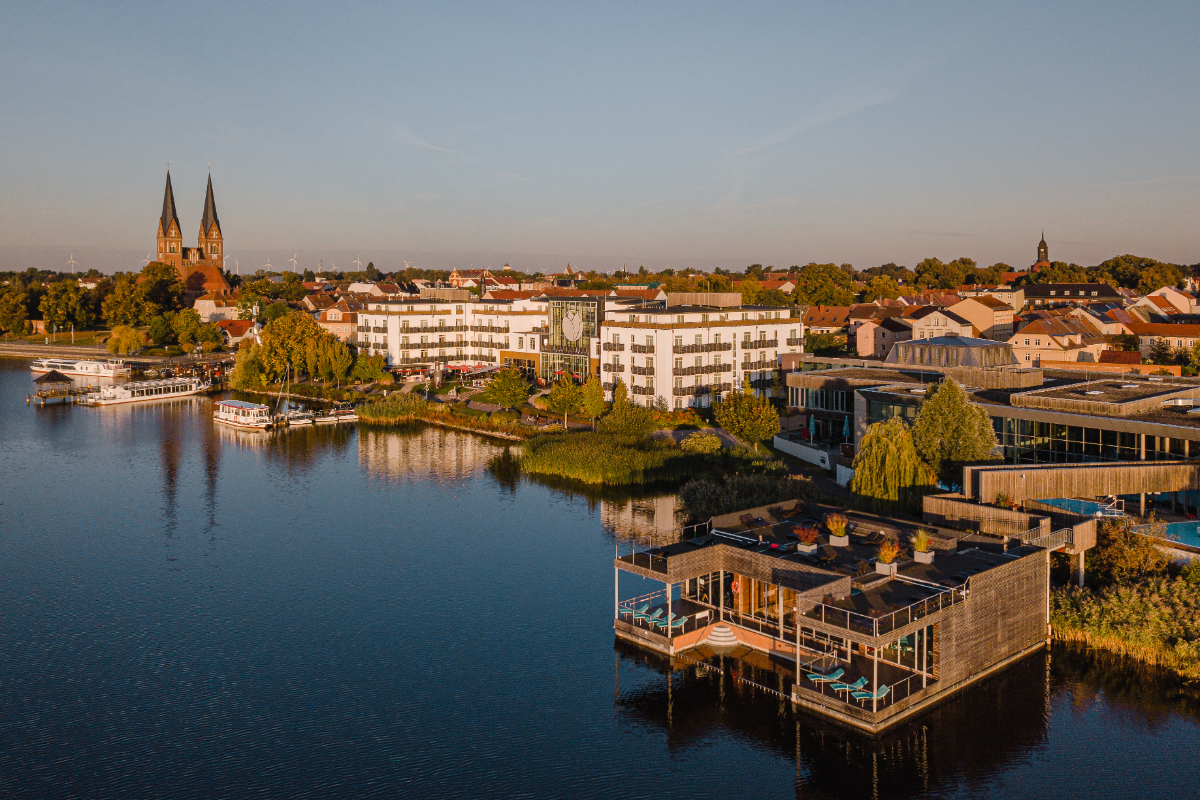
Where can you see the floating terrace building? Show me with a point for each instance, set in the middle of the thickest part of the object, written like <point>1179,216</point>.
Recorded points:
<point>865,644</point>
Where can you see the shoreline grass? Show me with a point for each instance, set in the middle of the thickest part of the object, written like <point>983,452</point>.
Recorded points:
<point>608,459</point>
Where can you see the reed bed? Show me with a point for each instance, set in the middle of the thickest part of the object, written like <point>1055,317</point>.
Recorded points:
<point>609,459</point>
<point>1156,621</point>
<point>399,409</point>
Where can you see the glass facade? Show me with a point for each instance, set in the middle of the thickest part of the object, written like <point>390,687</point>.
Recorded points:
<point>882,411</point>
<point>555,365</point>
<point>572,325</point>
<point>1028,442</point>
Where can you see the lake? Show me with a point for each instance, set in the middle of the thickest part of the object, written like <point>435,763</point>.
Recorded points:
<point>192,611</point>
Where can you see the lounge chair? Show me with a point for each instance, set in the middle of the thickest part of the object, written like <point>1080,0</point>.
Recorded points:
<point>679,623</point>
<point>746,520</point>
<point>878,694</point>
<point>665,622</point>
<point>635,611</point>
<point>830,678</point>
<point>849,687</point>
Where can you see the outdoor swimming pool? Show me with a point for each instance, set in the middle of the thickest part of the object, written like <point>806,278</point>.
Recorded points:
<point>1088,507</point>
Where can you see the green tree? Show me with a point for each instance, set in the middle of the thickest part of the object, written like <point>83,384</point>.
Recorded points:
<point>368,368</point>
<point>64,304</point>
<point>564,398</point>
<point>248,368</point>
<point>340,360</point>
<point>161,287</point>
<point>824,285</point>
<point>824,344</point>
<point>285,345</point>
<point>508,388</point>
<point>1127,342</point>
<point>592,400</point>
<point>747,417</point>
<point>125,304</point>
<point>13,312</point>
<point>881,287</point>
<point>187,326</point>
<point>1128,271</point>
<point>888,473</point>
<point>273,311</point>
<point>124,340</point>
<point>751,291</point>
<point>1160,352</point>
<point>773,297</point>
<point>933,274</point>
<point>620,394</point>
<point>949,428</point>
<point>249,305</point>
<point>162,331</point>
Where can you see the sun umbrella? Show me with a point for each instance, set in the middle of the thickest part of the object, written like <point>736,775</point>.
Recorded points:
<point>846,428</point>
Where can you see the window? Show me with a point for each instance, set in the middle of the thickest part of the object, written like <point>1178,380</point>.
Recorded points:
<point>1027,356</point>
<point>679,319</point>
<point>704,317</point>
<point>679,341</point>
<point>633,317</point>
<point>649,341</point>
<point>699,340</point>
<point>1027,343</point>
<point>1052,293</point>
<point>520,342</point>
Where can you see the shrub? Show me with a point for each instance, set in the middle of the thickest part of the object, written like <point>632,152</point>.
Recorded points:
<point>1121,555</point>
<point>396,407</point>
<point>889,551</point>
<point>627,419</point>
<point>922,542</point>
<point>709,497</point>
<point>806,533</point>
<point>702,442</point>
<point>124,340</point>
<point>836,523</point>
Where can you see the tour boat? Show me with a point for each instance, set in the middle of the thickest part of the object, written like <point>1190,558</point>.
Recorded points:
<point>90,369</point>
<point>241,414</point>
<point>142,391</point>
<point>342,412</point>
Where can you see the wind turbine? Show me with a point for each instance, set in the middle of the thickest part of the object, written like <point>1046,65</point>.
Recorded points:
<point>267,266</point>
<point>146,261</point>
<point>225,264</point>
<point>293,260</point>
<point>72,263</point>
<point>358,262</point>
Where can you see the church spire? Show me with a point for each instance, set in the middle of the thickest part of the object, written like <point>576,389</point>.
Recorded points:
<point>210,212</point>
<point>1043,256</point>
<point>168,213</point>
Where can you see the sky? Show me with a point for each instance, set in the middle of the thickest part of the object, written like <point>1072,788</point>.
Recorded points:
<point>607,134</point>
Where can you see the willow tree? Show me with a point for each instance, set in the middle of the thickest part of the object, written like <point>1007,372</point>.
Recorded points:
<point>888,473</point>
<point>950,430</point>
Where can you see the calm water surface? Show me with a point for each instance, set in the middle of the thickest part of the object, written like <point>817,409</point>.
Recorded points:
<point>189,611</point>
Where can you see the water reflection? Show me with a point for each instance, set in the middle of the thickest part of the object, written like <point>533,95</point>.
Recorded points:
<point>422,452</point>
<point>972,734</point>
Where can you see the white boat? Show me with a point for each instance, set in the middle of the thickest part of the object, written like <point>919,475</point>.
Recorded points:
<point>143,391</point>
<point>113,368</point>
<point>241,414</point>
<point>297,417</point>
<point>341,412</point>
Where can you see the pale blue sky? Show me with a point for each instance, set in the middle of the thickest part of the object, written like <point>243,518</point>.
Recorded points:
<point>645,133</point>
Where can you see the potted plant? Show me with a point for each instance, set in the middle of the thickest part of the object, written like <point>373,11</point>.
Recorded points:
<point>836,523</point>
<point>923,547</point>
<point>808,538</point>
<point>885,563</point>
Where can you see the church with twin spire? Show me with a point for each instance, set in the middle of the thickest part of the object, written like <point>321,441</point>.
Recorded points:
<point>200,267</point>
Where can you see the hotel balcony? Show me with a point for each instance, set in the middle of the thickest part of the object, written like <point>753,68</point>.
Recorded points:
<point>641,348</point>
<point>612,347</point>
<point>635,370</point>
<point>711,347</point>
<point>613,367</point>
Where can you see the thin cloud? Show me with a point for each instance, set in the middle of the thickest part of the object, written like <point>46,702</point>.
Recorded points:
<point>825,113</point>
<point>404,135</point>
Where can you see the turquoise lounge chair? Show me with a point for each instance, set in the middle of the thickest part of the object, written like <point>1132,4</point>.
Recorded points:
<point>830,678</point>
<point>679,623</point>
<point>665,622</point>
<point>878,694</point>
<point>637,612</point>
<point>653,618</point>
<point>849,687</point>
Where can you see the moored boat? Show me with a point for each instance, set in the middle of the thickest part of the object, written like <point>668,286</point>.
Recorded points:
<point>241,414</point>
<point>143,391</point>
<point>112,368</point>
<point>297,417</point>
<point>341,412</point>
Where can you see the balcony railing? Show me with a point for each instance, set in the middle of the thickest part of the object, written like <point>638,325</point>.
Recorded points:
<point>641,370</point>
<point>850,620</point>
<point>646,390</point>
<point>431,328</point>
<point>761,344</point>
<point>751,366</point>
<point>612,346</point>
<point>711,347</point>
<point>707,369</point>
<point>489,345</point>
<point>489,329</point>
<point>641,348</point>
<point>378,330</point>
<point>794,342</point>
<point>613,367</point>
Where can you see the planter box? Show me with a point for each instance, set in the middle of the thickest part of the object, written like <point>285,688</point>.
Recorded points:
<point>840,541</point>
<point>923,558</point>
<point>885,569</point>
<point>806,548</point>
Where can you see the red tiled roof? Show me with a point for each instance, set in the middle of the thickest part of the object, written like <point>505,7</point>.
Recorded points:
<point>1165,329</point>
<point>237,328</point>
<point>1120,357</point>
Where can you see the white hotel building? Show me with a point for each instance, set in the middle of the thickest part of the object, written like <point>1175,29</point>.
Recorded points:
<point>687,350</point>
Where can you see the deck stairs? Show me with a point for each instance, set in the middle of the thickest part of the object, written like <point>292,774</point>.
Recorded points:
<point>722,636</point>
